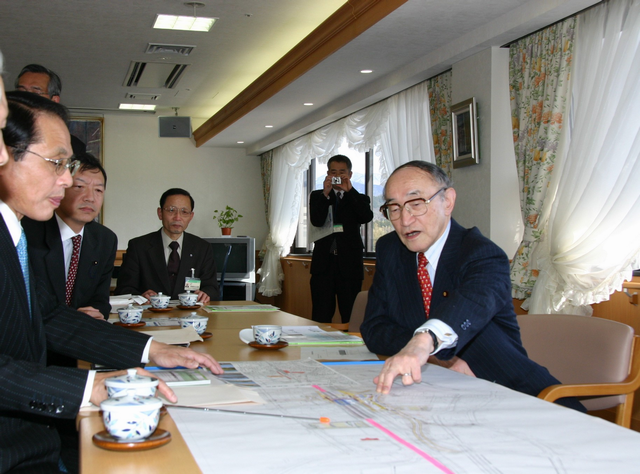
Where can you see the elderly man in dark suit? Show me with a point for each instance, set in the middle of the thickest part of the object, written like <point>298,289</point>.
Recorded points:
<point>336,265</point>
<point>32,183</point>
<point>71,252</point>
<point>160,262</point>
<point>443,291</point>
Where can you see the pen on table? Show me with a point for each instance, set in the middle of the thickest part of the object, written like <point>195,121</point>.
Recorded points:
<point>321,419</point>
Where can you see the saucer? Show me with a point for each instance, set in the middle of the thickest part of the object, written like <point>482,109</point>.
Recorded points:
<point>206,335</point>
<point>197,306</point>
<point>132,325</point>
<point>159,310</point>
<point>277,345</point>
<point>104,440</point>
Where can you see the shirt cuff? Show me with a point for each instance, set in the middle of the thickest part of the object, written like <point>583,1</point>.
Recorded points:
<point>88,389</point>
<point>448,338</point>
<point>145,353</point>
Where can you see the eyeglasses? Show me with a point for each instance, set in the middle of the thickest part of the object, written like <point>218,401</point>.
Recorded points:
<point>415,207</point>
<point>184,212</point>
<point>61,165</point>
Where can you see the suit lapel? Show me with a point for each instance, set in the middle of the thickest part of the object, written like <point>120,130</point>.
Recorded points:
<point>187,262</point>
<point>443,283</point>
<point>406,278</point>
<point>54,258</point>
<point>88,259</point>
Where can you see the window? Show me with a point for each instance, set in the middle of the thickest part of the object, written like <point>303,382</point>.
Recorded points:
<point>366,179</point>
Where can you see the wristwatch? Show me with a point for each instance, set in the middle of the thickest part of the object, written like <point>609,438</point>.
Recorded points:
<point>436,342</point>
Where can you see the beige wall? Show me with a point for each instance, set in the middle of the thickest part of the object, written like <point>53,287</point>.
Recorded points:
<point>141,166</point>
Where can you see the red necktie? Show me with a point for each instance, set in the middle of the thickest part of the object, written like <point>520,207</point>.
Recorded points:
<point>73,268</point>
<point>425,282</point>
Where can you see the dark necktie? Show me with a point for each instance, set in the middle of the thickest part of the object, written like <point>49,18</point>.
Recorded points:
<point>23,256</point>
<point>425,282</point>
<point>174,263</point>
<point>73,268</point>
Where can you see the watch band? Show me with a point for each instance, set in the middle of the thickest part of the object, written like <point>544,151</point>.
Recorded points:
<point>436,343</point>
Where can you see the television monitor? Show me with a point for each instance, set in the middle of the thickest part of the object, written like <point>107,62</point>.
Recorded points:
<point>241,265</point>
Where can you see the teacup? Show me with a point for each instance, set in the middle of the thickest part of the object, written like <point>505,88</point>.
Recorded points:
<point>131,418</point>
<point>198,322</point>
<point>130,314</point>
<point>160,301</point>
<point>188,298</point>
<point>267,333</point>
<point>131,384</point>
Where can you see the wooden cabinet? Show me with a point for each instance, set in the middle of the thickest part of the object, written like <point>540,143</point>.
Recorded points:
<point>296,292</point>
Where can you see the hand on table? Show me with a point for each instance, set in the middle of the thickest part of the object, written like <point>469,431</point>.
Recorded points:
<point>406,363</point>
<point>99,391</point>
<point>202,297</point>
<point>165,355</point>
<point>91,311</point>
<point>148,294</point>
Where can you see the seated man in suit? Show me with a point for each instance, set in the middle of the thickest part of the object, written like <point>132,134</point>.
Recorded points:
<point>160,262</point>
<point>32,183</point>
<point>71,252</point>
<point>443,291</point>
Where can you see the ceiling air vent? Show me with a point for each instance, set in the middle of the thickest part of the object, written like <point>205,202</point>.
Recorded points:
<point>157,48</point>
<point>142,96</point>
<point>154,75</point>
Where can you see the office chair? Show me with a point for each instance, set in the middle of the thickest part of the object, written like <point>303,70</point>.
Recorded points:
<point>597,360</point>
<point>357,313</point>
<point>224,270</point>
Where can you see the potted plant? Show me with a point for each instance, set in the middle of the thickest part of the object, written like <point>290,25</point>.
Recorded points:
<point>226,218</point>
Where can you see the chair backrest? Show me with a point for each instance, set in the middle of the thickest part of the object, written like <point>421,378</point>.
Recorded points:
<point>579,349</point>
<point>357,313</point>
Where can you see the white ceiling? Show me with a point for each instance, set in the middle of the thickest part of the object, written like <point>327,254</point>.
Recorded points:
<point>91,43</point>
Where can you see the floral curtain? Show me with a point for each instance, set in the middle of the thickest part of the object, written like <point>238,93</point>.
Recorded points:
<point>440,107</point>
<point>539,73</point>
<point>590,218</point>
<point>266,165</point>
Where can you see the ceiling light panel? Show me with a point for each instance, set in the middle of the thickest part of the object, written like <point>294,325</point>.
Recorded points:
<point>137,107</point>
<point>184,23</point>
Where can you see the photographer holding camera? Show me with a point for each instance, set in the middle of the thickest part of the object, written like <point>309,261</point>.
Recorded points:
<point>336,266</point>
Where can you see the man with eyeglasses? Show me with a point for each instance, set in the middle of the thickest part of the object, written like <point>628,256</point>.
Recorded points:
<point>32,394</point>
<point>40,80</point>
<point>160,262</point>
<point>442,293</point>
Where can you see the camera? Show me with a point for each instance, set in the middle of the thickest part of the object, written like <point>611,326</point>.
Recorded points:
<point>336,180</point>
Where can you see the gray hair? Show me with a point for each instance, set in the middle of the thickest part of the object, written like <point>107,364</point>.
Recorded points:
<point>436,173</point>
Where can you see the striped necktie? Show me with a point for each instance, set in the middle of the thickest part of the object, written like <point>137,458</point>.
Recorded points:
<point>425,282</point>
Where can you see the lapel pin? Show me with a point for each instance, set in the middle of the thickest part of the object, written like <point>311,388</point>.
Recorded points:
<point>445,293</point>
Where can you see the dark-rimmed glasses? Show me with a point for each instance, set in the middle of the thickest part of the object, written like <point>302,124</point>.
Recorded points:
<point>60,165</point>
<point>184,212</point>
<point>415,207</point>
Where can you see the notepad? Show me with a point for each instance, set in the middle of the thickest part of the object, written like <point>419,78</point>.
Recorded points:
<point>182,377</point>
<point>313,335</point>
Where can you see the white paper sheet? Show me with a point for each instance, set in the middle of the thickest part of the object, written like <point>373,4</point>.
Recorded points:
<point>337,353</point>
<point>174,336</point>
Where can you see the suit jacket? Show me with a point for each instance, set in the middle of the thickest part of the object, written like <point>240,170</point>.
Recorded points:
<point>98,252</point>
<point>31,393</point>
<point>145,268</point>
<point>353,211</point>
<point>471,293</point>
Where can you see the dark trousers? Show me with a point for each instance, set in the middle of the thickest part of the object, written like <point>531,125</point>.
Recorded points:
<point>324,289</point>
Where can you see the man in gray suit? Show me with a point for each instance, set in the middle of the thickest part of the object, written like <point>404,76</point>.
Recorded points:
<point>32,183</point>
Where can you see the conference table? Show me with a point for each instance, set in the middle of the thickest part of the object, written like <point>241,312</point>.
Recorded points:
<point>449,423</point>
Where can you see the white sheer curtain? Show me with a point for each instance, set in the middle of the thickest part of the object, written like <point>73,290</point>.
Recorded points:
<point>592,214</point>
<point>398,129</point>
<point>409,134</point>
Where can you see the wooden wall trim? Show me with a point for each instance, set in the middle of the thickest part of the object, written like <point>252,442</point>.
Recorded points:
<point>348,22</point>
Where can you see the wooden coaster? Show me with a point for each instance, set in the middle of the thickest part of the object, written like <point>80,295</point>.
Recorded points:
<point>104,440</point>
<point>159,310</point>
<point>133,325</point>
<point>188,307</point>
<point>206,335</point>
<point>277,345</point>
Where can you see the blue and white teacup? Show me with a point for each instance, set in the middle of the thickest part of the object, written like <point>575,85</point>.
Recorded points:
<point>130,315</point>
<point>188,298</point>
<point>131,418</point>
<point>198,322</point>
<point>160,301</point>
<point>267,333</point>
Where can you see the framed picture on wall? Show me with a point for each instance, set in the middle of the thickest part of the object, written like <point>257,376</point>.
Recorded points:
<point>465,133</point>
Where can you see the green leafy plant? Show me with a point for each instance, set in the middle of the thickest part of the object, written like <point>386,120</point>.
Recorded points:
<point>226,217</point>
